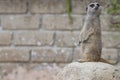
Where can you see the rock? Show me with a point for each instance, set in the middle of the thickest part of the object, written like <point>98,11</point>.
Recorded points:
<point>41,71</point>
<point>89,71</point>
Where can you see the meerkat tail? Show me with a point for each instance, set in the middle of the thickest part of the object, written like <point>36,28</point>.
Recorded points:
<point>105,61</point>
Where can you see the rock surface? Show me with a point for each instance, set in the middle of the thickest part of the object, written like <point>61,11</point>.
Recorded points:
<point>42,71</point>
<point>89,71</point>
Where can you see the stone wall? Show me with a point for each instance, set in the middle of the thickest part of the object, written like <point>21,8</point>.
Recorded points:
<point>38,31</point>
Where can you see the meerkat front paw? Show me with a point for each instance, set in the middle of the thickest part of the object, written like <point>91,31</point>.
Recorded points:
<point>82,38</point>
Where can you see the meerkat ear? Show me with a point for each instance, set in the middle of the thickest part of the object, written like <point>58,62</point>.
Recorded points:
<point>86,8</point>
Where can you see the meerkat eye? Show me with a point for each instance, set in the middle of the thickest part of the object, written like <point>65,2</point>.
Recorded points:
<point>92,5</point>
<point>98,5</point>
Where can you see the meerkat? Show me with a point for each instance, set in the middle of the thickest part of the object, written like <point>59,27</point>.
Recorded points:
<point>90,35</point>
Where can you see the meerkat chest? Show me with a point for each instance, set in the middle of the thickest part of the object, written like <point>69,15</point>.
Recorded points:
<point>94,24</point>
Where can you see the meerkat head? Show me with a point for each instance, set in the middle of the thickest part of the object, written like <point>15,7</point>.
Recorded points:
<point>94,8</point>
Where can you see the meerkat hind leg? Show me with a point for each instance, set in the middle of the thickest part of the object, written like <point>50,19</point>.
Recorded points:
<point>82,60</point>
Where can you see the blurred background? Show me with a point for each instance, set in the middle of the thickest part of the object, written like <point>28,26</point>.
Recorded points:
<point>39,37</point>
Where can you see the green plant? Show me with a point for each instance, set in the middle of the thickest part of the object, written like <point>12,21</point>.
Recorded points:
<point>115,7</point>
<point>117,25</point>
<point>69,9</point>
<point>114,10</point>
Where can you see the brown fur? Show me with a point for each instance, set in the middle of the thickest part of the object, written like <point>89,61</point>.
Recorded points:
<point>90,37</point>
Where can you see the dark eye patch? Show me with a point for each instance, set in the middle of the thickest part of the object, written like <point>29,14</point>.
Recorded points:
<point>92,5</point>
<point>98,5</point>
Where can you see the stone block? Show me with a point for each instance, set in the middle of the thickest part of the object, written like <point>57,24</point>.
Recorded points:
<point>67,39</point>
<point>5,38</point>
<point>33,38</point>
<point>13,55</point>
<point>43,55</point>
<point>77,54</point>
<point>13,6</point>
<point>47,6</point>
<point>116,19</point>
<point>64,55</point>
<point>62,22</point>
<point>111,39</point>
<point>18,22</point>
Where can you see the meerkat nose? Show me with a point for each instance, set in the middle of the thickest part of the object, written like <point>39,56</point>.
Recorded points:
<point>96,8</point>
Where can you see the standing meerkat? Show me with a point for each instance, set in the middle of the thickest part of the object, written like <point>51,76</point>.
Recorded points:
<point>90,35</point>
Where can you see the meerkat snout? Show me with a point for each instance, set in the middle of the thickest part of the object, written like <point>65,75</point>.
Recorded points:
<point>97,6</point>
